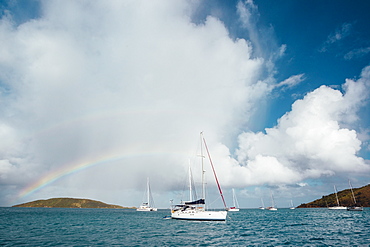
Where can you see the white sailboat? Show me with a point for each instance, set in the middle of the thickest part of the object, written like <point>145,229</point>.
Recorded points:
<point>234,208</point>
<point>263,205</point>
<point>338,205</point>
<point>147,205</point>
<point>196,209</point>
<point>273,206</point>
<point>354,207</point>
<point>292,205</point>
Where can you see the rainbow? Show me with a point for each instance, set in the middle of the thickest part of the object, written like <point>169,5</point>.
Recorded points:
<point>62,172</point>
<point>77,166</point>
<point>74,168</point>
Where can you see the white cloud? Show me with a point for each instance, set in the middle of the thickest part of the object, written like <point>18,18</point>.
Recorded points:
<point>5,167</point>
<point>248,16</point>
<point>92,80</point>
<point>309,141</point>
<point>357,53</point>
<point>247,11</point>
<point>357,95</point>
<point>340,34</point>
<point>291,81</point>
<point>337,36</point>
<point>282,50</point>
<point>88,80</point>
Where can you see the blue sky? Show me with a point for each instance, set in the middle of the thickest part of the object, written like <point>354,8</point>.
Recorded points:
<point>308,28</point>
<point>280,88</point>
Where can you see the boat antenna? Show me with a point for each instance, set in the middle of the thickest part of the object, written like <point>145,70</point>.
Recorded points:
<point>214,171</point>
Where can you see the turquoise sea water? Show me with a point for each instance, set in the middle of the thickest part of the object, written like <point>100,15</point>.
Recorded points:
<point>117,227</point>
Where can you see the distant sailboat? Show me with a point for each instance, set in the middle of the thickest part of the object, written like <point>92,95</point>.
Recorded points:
<point>263,205</point>
<point>354,207</point>
<point>338,205</point>
<point>273,206</point>
<point>291,205</point>
<point>234,208</point>
<point>196,209</point>
<point>147,205</point>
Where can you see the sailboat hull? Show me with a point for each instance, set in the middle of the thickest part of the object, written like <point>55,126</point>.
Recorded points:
<point>354,208</point>
<point>200,215</point>
<point>271,208</point>
<point>233,209</point>
<point>148,209</point>
<point>338,208</point>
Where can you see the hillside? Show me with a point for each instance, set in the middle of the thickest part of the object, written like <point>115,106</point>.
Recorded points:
<point>67,203</point>
<point>362,196</point>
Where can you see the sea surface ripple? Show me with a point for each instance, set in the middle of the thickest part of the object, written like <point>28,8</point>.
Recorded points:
<point>125,227</point>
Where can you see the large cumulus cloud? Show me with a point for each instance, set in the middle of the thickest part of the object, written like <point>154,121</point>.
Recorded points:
<point>92,79</point>
<point>311,140</point>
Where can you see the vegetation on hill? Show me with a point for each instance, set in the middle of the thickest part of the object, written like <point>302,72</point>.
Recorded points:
<point>67,203</point>
<point>362,196</point>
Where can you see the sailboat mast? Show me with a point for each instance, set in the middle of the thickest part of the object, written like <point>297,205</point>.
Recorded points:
<point>214,172</point>
<point>203,171</point>
<point>336,195</point>
<point>272,200</point>
<point>353,195</point>
<point>147,191</point>
<point>190,191</point>
<point>234,198</point>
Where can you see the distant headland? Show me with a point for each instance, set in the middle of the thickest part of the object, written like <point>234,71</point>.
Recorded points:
<point>69,203</point>
<point>362,196</point>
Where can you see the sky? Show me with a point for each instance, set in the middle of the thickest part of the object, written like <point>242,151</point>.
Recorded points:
<point>96,96</point>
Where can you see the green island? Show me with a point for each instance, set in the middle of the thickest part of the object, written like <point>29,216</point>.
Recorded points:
<point>69,203</point>
<point>362,196</point>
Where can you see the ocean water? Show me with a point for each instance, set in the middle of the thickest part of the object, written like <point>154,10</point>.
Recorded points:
<point>124,227</point>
